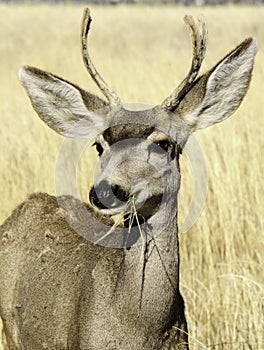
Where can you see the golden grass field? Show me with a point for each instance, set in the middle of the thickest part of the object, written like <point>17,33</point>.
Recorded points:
<point>143,52</point>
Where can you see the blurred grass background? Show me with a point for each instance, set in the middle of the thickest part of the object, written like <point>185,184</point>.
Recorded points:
<point>143,52</point>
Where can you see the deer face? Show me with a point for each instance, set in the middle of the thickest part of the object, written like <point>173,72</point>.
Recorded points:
<point>139,154</point>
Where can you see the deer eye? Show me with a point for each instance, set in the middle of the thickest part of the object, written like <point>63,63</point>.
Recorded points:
<point>164,144</point>
<point>99,148</point>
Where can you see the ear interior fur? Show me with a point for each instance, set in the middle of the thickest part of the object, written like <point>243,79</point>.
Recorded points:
<point>218,93</point>
<point>67,109</point>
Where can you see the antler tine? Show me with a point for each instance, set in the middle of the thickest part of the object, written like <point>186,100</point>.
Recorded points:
<point>110,94</point>
<point>199,43</point>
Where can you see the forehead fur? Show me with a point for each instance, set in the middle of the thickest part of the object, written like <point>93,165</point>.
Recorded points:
<point>126,131</point>
<point>124,124</point>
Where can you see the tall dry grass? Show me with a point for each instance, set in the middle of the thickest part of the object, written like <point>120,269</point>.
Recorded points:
<point>144,52</point>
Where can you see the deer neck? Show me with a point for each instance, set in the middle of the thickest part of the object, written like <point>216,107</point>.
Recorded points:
<point>139,297</point>
<point>150,276</point>
<point>154,265</point>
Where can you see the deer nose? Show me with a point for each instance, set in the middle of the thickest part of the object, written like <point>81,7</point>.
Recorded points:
<point>106,196</point>
<point>100,195</point>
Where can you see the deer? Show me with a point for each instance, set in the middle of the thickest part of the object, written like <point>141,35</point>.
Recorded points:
<point>71,278</point>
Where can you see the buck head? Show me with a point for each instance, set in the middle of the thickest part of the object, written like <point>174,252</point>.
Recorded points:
<point>139,150</point>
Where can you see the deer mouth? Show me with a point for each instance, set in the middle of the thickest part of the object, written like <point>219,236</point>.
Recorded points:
<point>112,200</point>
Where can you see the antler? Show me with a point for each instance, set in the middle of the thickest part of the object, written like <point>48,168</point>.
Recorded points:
<point>110,94</point>
<point>199,42</point>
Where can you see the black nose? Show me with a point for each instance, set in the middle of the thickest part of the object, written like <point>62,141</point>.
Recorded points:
<point>100,196</point>
<point>105,196</point>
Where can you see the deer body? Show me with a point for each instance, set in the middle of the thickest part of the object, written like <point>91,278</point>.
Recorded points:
<point>60,291</point>
<point>66,278</point>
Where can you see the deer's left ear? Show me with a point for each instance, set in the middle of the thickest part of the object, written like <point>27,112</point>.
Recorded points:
<point>65,108</point>
<point>219,92</point>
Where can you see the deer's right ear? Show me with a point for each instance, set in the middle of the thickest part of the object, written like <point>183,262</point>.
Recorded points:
<point>64,107</point>
<point>218,93</point>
